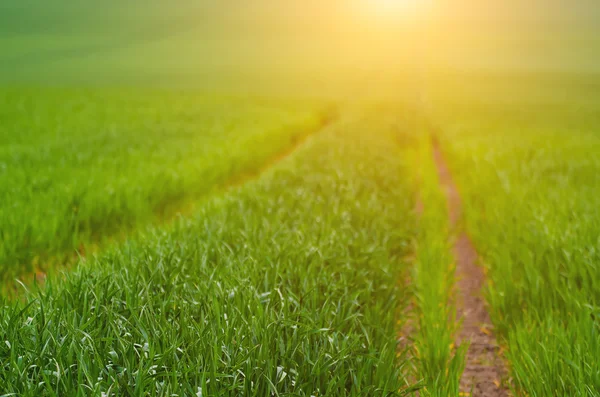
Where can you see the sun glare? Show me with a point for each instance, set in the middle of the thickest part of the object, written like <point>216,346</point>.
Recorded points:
<point>392,9</point>
<point>393,5</point>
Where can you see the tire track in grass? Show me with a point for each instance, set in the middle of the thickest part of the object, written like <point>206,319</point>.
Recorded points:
<point>484,368</point>
<point>298,140</point>
<point>180,208</point>
<point>248,175</point>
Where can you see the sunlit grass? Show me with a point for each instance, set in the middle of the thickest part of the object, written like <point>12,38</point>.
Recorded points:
<point>78,166</point>
<point>439,363</point>
<point>528,171</point>
<point>285,286</point>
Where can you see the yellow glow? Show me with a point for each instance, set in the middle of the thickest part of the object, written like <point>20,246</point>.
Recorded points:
<point>393,9</point>
<point>394,5</point>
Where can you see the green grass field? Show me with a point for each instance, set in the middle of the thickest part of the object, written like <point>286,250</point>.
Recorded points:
<point>243,199</point>
<point>532,208</point>
<point>71,156</point>
<point>297,296</point>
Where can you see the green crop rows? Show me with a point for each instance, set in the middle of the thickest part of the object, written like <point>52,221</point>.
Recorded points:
<point>531,199</point>
<point>77,167</point>
<point>290,284</point>
<point>213,199</point>
<point>287,285</point>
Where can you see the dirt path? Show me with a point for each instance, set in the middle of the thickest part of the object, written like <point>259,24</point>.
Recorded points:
<point>246,176</point>
<point>484,368</point>
<point>170,213</point>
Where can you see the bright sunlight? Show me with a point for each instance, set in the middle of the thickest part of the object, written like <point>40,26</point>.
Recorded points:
<point>393,9</point>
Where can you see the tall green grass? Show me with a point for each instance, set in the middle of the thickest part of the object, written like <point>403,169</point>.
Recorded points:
<point>528,170</point>
<point>439,363</point>
<point>285,286</point>
<point>78,166</point>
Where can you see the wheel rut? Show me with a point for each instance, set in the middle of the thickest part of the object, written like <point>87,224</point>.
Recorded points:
<point>484,368</point>
<point>180,208</point>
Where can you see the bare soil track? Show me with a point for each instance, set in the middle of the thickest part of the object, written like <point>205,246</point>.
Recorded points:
<point>484,368</point>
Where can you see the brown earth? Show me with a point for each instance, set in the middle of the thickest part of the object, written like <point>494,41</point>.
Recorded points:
<point>484,368</point>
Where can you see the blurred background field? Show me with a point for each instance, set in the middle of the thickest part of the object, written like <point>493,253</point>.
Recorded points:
<point>302,48</point>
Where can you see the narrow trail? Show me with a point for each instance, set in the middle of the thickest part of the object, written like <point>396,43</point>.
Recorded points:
<point>299,140</point>
<point>187,208</point>
<point>484,368</point>
<point>184,207</point>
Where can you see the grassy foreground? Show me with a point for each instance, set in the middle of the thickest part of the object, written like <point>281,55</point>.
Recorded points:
<point>285,286</point>
<point>80,166</point>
